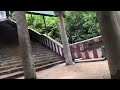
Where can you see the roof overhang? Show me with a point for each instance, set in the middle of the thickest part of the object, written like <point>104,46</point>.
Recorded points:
<point>44,13</point>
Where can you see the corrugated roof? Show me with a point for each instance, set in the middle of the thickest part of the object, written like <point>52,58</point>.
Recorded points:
<point>46,13</point>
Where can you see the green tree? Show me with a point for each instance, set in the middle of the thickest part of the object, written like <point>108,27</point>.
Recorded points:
<point>81,25</point>
<point>37,23</point>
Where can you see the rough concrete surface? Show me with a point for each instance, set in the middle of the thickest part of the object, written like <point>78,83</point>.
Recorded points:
<point>85,70</point>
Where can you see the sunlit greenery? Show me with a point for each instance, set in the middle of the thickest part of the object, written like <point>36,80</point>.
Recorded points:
<point>80,25</point>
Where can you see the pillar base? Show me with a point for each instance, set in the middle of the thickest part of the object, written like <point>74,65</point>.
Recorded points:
<point>116,76</point>
<point>31,78</point>
<point>70,63</point>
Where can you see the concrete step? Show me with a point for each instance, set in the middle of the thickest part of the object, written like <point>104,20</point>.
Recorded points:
<point>46,57</point>
<point>45,54</point>
<point>10,66</point>
<point>11,62</point>
<point>12,75</point>
<point>20,64</point>
<point>8,57</point>
<point>20,68</point>
<point>20,73</point>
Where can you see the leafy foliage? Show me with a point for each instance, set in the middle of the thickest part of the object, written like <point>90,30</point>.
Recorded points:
<point>80,25</point>
<point>37,22</point>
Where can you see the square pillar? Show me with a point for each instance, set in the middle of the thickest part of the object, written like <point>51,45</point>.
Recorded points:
<point>66,48</point>
<point>25,46</point>
<point>109,22</point>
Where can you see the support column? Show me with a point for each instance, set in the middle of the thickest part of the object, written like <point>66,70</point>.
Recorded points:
<point>44,22</point>
<point>32,21</point>
<point>25,46</point>
<point>110,30</point>
<point>66,48</point>
<point>7,14</point>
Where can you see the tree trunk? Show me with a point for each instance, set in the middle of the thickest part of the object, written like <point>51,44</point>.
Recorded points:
<point>64,39</point>
<point>110,30</point>
<point>25,46</point>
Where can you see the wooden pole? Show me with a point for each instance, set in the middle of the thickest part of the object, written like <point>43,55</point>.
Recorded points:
<point>109,22</point>
<point>66,48</point>
<point>44,21</point>
<point>25,46</point>
<point>32,21</point>
<point>45,25</point>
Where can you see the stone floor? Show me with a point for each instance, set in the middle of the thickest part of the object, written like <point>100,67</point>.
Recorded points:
<point>85,70</point>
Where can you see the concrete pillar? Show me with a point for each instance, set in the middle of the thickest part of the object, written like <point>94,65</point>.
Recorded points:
<point>66,48</point>
<point>25,46</point>
<point>110,30</point>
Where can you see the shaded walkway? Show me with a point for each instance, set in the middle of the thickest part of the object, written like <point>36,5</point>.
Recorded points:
<point>87,70</point>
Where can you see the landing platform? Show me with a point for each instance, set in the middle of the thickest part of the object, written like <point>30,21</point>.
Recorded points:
<point>85,70</point>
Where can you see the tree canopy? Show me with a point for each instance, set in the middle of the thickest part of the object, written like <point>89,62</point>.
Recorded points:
<point>80,25</point>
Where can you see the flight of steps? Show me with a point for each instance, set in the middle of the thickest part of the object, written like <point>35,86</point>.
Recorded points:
<point>11,63</point>
<point>10,58</point>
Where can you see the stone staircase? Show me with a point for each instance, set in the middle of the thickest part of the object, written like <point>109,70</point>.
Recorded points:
<point>11,63</point>
<point>10,58</point>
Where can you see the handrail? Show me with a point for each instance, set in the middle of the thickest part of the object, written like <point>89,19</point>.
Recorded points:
<point>48,37</point>
<point>54,40</point>
<point>85,40</point>
<point>49,42</point>
<point>34,31</point>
